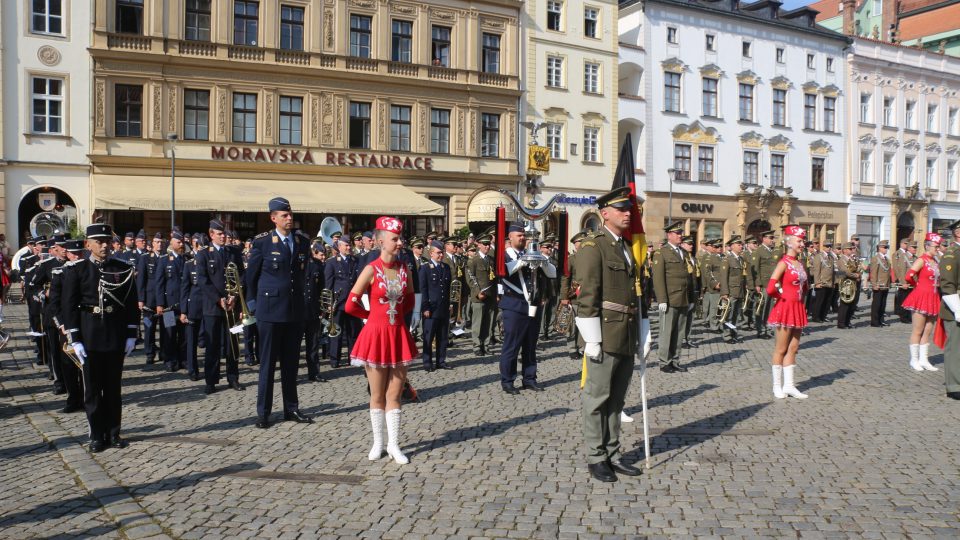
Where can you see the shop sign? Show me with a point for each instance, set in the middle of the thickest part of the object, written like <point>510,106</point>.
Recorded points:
<point>819,215</point>
<point>696,208</point>
<point>538,159</point>
<point>578,200</point>
<point>306,157</point>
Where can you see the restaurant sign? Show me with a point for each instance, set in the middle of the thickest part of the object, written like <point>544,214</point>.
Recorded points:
<point>306,157</point>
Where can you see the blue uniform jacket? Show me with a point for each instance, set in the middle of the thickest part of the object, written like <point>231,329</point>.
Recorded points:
<point>191,302</point>
<point>435,289</point>
<point>313,284</point>
<point>275,278</point>
<point>167,278</point>
<point>211,279</point>
<point>339,275</point>
<point>513,298</point>
<point>146,285</point>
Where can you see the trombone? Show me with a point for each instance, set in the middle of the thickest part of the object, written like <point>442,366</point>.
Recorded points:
<point>456,297</point>
<point>328,299</point>
<point>231,275</point>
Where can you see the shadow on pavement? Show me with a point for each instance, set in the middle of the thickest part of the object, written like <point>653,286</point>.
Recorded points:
<point>675,398</point>
<point>824,380</point>
<point>482,431</point>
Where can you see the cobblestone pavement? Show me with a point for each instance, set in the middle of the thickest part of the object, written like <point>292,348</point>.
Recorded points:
<point>873,453</point>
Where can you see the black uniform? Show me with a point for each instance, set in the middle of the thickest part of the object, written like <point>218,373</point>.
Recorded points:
<point>147,293</point>
<point>40,277</point>
<point>191,304</point>
<point>313,330</point>
<point>211,265</point>
<point>167,278</point>
<point>71,376</point>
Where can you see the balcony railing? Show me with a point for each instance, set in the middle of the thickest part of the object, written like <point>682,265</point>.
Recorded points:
<point>129,42</point>
<point>198,48</point>
<point>402,68</point>
<point>299,58</point>
<point>361,64</point>
<point>494,79</point>
<point>244,52</point>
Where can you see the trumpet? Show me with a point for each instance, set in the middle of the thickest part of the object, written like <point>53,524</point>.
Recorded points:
<point>231,275</point>
<point>761,301</point>
<point>724,309</point>
<point>328,299</point>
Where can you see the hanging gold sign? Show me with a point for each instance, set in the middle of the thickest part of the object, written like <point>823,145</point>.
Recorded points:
<point>538,159</point>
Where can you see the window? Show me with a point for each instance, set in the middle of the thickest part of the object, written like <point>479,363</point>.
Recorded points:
<point>909,116</point>
<point>705,164</point>
<point>711,43</point>
<point>888,111</point>
<point>909,170</point>
<point>489,135</point>
<point>291,120</point>
<point>781,53</point>
<point>590,16</point>
<point>817,166</point>
<point>359,125</point>
<point>809,111</point>
<point>746,102</point>
<point>829,113</point>
<point>811,61</point>
<point>681,162</point>
<point>245,22</point>
<point>46,16</point>
<point>932,118</point>
<point>196,115</point>
<point>555,140</point>
<point>129,105</point>
<point>888,169</point>
<point>931,177</point>
<point>709,97</point>
<point>245,118</point>
<point>554,15</point>
<point>953,127</point>
<point>591,144</point>
<point>291,28</point>
<point>779,107</point>
<point>441,46</point>
<point>671,92</point>
<point>671,35</point>
<point>952,176</point>
<point>399,128</point>
<point>868,229</point>
<point>402,41</point>
<point>555,71</point>
<point>48,105</point>
<point>746,49</point>
<point>197,20</point>
<point>865,108</point>
<point>751,166</point>
<point>440,131</point>
<point>591,78</point>
<point>129,16</point>
<point>777,170</point>
<point>360,36</point>
<point>491,54</point>
<point>829,64</point>
<point>865,172</point>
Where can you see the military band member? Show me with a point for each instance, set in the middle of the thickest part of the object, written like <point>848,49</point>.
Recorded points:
<point>100,314</point>
<point>733,284</point>
<point>607,319</point>
<point>950,311</point>
<point>28,265</point>
<point>880,278</point>
<point>435,281</point>
<point>191,314</point>
<point>168,276</point>
<point>483,291</point>
<point>902,261</point>
<point>671,276</point>
<point>710,278</point>
<point>357,239</point>
<point>687,244</point>
<point>812,253</point>
<point>455,263</point>
<point>849,266</point>
<point>749,307</point>
<point>313,284</point>
<point>71,375</point>
<point>764,261</point>
<point>147,294</point>
<point>569,290</point>
<point>821,279</point>
<point>40,280</point>
<point>552,291</point>
<point>339,274</point>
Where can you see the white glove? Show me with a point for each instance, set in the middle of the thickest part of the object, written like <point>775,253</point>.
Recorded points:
<point>645,336</point>
<point>414,320</point>
<point>128,348</point>
<point>80,351</point>
<point>592,350</point>
<point>953,302</point>
<point>662,307</point>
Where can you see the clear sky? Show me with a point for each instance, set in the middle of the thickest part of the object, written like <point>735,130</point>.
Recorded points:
<point>793,4</point>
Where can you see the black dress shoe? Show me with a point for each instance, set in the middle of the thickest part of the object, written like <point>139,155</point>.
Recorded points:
<point>429,369</point>
<point>533,386</point>
<point>151,360</point>
<point>763,336</point>
<point>235,385</point>
<point>576,355</point>
<point>297,417</point>
<point>209,389</point>
<point>334,364</point>
<point>263,422</point>
<point>118,442</point>
<point>483,352</point>
<point>510,390</point>
<point>953,395</point>
<point>602,472</point>
<point>97,446</point>
<point>317,378</point>
<point>668,368</point>
<point>71,409</point>
<point>678,368</point>
<point>194,377</point>
<point>624,468</point>
<point>59,391</point>
<point>444,366</point>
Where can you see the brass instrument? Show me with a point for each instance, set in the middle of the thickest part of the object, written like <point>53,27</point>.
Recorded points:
<point>232,272</point>
<point>328,299</point>
<point>848,290</point>
<point>563,320</point>
<point>761,301</point>
<point>456,299</point>
<point>698,310</point>
<point>231,276</point>
<point>723,310</point>
<point>69,353</point>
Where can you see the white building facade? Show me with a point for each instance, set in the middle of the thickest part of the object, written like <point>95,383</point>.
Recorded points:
<point>746,104</point>
<point>46,119</point>
<point>904,143</point>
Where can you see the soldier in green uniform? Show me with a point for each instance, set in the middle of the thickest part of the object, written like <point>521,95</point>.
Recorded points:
<point>749,300</point>
<point>607,320</point>
<point>950,312</point>
<point>733,284</point>
<point>902,261</point>
<point>568,292</point>
<point>710,279</point>
<point>483,293</point>
<point>552,292</point>
<point>671,283</point>
<point>687,244</point>
<point>880,279</point>
<point>764,261</point>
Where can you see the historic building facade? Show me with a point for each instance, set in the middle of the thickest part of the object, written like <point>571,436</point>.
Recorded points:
<point>345,107</point>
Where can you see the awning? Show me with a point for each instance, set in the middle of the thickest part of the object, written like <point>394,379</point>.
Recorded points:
<point>228,195</point>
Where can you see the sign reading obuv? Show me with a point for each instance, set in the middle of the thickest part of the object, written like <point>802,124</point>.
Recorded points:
<point>306,157</point>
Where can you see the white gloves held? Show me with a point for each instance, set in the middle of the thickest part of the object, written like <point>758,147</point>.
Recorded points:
<point>592,350</point>
<point>80,351</point>
<point>662,307</point>
<point>128,348</point>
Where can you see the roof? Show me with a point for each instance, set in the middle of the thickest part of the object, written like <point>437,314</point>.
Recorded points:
<point>929,23</point>
<point>906,6</point>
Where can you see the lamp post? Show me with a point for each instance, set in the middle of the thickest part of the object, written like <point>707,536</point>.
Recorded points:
<point>671,173</point>
<point>172,137</point>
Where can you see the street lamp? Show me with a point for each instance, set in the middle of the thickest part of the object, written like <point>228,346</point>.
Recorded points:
<point>172,137</point>
<point>671,173</point>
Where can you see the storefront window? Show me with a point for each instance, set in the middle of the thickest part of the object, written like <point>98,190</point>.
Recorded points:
<point>938,225</point>
<point>713,229</point>
<point>868,229</point>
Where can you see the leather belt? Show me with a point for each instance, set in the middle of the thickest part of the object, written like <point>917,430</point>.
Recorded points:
<point>96,309</point>
<point>613,306</point>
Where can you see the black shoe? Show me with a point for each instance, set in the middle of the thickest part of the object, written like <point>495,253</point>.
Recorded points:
<point>533,386</point>
<point>59,391</point>
<point>763,336</point>
<point>444,366</point>
<point>624,468</point>
<point>263,422</point>
<point>334,364</point>
<point>731,340</point>
<point>171,369</point>
<point>687,344</point>
<point>668,368</point>
<point>602,472</point>
<point>510,390</point>
<point>297,417</point>
<point>429,369</point>
<point>317,378</point>
<point>118,442</point>
<point>576,355</point>
<point>71,409</point>
<point>194,377</point>
<point>678,368</point>
<point>953,395</point>
<point>97,446</point>
<point>209,389</point>
<point>151,360</point>
<point>235,385</point>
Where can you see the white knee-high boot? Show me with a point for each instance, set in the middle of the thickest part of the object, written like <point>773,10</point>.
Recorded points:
<point>923,361</point>
<point>788,387</point>
<point>778,382</point>
<point>376,423</point>
<point>915,357</point>
<point>393,437</point>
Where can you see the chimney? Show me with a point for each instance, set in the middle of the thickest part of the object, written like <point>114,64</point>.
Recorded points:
<point>889,17</point>
<point>849,11</point>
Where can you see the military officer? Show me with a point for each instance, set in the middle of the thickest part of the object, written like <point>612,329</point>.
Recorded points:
<point>569,289</point>
<point>313,284</point>
<point>751,299</point>
<point>733,282</point>
<point>168,277</point>
<point>552,292</point>
<point>671,281</point>
<point>147,295</point>
<point>764,261</point>
<point>191,314</point>
<point>100,313</point>
<point>950,311</point>
<point>607,319</point>
<point>40,281</point>
<point>902,261</point>
<point>687,244</point>
<point>339,275</point>
<point>71,375</point>
<point>483,291</point>
<point>849,266</point>
<point>357,239</point>
<point>880,278</point>
<point>710,278</point>
<point>28,264</point>
<point>822,279</point>
<point>435,281</point>
<point>275,279</point>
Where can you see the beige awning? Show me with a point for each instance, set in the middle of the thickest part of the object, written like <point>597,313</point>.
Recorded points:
<point>228,195</point>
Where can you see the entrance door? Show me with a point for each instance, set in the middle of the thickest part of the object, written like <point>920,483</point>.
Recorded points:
<point>905,227</point>
<point>757,226</point>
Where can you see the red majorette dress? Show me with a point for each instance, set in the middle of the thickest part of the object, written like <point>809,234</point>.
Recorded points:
<point>385,340</point>
<point>789,311</point>
<point>924,298</point>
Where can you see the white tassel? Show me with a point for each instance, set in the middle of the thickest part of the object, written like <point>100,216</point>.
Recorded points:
<point>376,424</point>
<point>393,437</point>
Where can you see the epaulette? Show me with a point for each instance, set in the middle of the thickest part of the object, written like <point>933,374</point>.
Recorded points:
<point>71,263</point>
<point>261,235</point>
<point>58,270</point>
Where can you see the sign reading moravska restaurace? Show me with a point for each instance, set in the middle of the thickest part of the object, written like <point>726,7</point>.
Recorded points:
<point>305,157</point>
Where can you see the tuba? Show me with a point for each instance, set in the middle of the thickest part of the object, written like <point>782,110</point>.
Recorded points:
<point>329,227</point>
<point>848,290</point>
<point>563,320</point>
<point>328,299</point>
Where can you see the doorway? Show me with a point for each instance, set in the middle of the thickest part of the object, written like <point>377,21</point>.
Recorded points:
<point>905,227</point>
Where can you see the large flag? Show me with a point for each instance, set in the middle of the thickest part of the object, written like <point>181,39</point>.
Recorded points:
<point>625,176</point>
